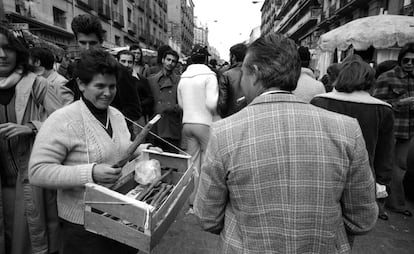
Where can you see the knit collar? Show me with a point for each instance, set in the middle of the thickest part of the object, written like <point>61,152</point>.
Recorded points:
<point>307,71</point>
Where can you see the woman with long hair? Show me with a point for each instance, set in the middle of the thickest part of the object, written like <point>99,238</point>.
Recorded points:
<point>140,68</point>
<point>28,218</point>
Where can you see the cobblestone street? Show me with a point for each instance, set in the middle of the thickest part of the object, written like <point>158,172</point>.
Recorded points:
<point>395,236</point>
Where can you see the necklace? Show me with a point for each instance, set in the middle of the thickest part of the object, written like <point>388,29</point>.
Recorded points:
<point>107,122</point>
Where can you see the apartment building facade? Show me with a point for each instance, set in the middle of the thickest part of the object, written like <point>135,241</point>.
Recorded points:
<point>200,32</point>
<point>305,20</point>
<point>181,24</point>
<point>124,21</point>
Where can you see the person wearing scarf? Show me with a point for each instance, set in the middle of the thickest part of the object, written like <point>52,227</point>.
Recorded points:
<point>28,218</point>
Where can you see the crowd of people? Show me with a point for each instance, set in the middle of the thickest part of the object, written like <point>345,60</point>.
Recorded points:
<point>282,161</point>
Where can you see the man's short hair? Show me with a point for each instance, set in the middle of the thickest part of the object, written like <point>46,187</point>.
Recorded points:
<point>199,54</point>
<point>239,51</point>
<point>95,61</point>
<point>44,55</point>
<point>355,75</point>
<point>161,52</point>
<point>125,52</point>
<point>408,48</point>
<point>304,56</point>
<point>277,61</point>
<point>171,52</point>
<point>87,24</point>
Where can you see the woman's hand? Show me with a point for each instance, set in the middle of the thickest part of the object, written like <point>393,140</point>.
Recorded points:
<point>10,130</point>
<point>104,173</point>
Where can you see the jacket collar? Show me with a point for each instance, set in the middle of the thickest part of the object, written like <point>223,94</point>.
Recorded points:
<point>53,76</point>
<point>356,96</point>
<point>400,73</point>
<point>307,71</point>
<point>174,78</point>
<point>238,64</point>
<point>196,69</point>
<point>276,98</point>
<point>23,91</point>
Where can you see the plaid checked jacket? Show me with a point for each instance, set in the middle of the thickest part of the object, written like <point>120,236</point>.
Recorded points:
<point>392,86</point>
<point>283,176</point>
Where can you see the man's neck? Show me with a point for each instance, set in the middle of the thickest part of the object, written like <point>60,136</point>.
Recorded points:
<point>46,73</point>
<point>166,72</point>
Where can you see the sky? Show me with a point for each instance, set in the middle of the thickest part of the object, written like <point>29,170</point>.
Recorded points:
<point>229,21</point>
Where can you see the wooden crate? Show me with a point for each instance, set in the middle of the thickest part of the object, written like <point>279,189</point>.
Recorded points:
<point>148,224</point>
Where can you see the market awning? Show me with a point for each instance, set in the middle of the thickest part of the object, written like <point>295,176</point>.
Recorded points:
<point>380,31</point>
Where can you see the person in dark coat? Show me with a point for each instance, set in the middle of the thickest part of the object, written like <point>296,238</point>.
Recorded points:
<point>164,89</point>
<point>396,87</point>
<point>350,97</point>
<point>127,59</point>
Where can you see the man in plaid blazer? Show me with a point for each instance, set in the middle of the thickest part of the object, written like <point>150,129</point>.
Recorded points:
<point>283,176</point>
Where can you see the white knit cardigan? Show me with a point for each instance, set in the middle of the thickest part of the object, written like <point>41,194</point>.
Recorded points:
<point>70,141</point>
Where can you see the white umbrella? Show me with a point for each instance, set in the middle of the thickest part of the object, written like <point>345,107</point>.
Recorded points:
<point>380,31</point>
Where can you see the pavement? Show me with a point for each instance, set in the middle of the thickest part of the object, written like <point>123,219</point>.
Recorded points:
<point>395,236</point>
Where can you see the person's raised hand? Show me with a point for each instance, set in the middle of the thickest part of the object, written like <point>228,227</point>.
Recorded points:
<point>104,173</point>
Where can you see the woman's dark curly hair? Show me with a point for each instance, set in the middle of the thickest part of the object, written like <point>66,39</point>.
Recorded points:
<point>22,53</point>
<point>95,61</point>
<point>355,75</point>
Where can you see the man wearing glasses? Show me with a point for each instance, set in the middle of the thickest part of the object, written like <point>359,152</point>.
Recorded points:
<point>397,88</point>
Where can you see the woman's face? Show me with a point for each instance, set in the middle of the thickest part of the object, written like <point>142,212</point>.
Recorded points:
<point>7,57</point>
<point>100,91</point>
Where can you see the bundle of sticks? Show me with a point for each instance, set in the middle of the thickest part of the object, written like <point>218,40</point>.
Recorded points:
<point>154,194</point>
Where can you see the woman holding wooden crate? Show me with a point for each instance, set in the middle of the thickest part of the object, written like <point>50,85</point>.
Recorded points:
<point>77,145</point>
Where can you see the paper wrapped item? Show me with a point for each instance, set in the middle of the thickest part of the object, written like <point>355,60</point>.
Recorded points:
<point>147,171</point>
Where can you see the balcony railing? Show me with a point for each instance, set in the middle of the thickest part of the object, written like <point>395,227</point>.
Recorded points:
<point>118,18</point>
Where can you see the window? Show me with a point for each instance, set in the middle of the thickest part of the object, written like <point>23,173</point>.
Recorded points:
<point>59,18</point>
<point>117,40</point>
<point>129,13</point>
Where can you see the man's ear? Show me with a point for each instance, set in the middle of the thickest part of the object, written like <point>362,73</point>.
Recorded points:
<point>255,74</point>
<point>81,85</point>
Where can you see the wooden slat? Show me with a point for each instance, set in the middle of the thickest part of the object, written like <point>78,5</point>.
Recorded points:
<point>163,210</point>
<point>169,219</point>
<point>116,204</point>
<point>116,230</point>
<point>171,160</point>
<point>128,172</point>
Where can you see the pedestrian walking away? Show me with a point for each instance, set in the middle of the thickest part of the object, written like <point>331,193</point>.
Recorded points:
<point>282,174</point>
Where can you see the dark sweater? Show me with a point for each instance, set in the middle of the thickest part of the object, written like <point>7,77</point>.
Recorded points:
<point>376,122</point>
